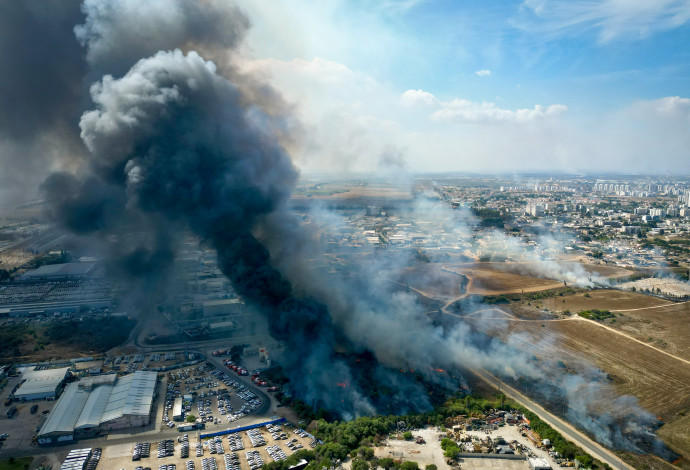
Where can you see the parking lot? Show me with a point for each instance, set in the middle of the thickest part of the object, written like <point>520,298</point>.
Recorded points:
<point>212,396</point>
<point>21,428</point>
<point>246,450</point>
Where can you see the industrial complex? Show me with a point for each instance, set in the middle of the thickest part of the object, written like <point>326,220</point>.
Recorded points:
<point>100,404</point>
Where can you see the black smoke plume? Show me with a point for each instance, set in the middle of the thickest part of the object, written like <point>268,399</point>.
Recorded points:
<point>174,143</point>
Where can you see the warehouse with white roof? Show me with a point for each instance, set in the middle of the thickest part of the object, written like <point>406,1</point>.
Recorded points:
<point>41,384</point>
<point>97,405</point>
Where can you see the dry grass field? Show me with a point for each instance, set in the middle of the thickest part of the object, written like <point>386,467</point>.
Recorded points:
<point>500,278</point>
<point>660,382</point>
<point>666,327</point>
<point>605,299</point>
<point>433,281</point>
<point>607,271</point>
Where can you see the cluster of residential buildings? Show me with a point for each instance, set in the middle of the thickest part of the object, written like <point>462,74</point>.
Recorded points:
<point>610,220</point>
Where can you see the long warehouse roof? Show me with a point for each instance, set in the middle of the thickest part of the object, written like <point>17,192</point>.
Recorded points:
<point>66,411</point>
<point>94,402</point>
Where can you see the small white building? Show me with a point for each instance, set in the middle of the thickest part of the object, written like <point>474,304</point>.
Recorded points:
<point>178,413</point>
<point>538,464</point>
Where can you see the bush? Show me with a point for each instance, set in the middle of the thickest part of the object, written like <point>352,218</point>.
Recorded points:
<point>407,435</point>
<point>596,314</point>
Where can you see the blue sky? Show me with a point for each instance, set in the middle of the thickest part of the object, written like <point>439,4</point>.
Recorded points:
<point>536,84</point>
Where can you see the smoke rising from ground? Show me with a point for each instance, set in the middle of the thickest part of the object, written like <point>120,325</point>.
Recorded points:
<point>42,65</point>
<point>173,142</point>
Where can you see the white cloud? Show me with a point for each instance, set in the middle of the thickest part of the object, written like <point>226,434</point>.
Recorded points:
<point>351,121</point>
<point>483,73</point>
<point>673,107</point>
<point>459,110</point>
<point>613,19</point>
<point>414,97</point>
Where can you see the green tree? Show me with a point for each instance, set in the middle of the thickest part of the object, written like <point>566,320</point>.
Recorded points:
<point>585,460</point>
<point>407,435</point>
<point>191,419</point>
<point>358,464</point>
<point>409,465</point>
<point>332,451</point>
<point>431,467</point>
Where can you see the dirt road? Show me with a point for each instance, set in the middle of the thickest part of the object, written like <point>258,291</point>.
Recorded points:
<point>567,430</point>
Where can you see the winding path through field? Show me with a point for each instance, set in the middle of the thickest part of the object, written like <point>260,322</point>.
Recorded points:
<point>566,429</point>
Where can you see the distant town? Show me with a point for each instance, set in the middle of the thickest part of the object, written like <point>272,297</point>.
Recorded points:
<point>81,368</point>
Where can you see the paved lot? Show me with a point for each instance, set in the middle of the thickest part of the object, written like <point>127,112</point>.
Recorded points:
<point>119,456</point>
<point>22,427</point>
<point>219,397</point>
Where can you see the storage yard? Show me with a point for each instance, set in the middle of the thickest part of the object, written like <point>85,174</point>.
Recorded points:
<point>483,445</point>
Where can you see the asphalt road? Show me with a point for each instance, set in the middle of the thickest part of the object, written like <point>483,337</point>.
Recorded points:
<point>593,448</point>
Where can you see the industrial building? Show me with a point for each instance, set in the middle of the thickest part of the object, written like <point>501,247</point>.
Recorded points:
<point>222,307</point>
<point>41,384</point>
<point>63,271</point>
<point>96,405</point>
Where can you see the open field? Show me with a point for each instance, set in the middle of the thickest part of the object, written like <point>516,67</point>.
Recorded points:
<point>350,191</point>
<point>434,281</point>
<point>604,299</point>
<point>607,271</point>
<point>664,327</point>
<point>500,278</point>
<point>660,382</point>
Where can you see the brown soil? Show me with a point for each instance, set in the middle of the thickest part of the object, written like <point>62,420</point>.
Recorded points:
<point>500,278</point>
<point>660,382</point>
<point>604,299</point>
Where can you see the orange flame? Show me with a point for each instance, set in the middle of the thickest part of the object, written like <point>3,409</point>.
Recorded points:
<point>342,384</point>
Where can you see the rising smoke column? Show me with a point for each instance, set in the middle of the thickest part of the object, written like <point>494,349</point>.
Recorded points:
<point>40,93</point>
<point>173,145</point>
<point>174,142</point>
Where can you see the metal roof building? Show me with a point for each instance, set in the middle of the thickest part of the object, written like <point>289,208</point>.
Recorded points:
<point>41,384</point>
<point>59,427</point>
<point>97,405</point>
<point>60,271</point>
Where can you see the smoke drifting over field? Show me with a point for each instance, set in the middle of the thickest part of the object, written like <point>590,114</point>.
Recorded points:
<point>173,142</point>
